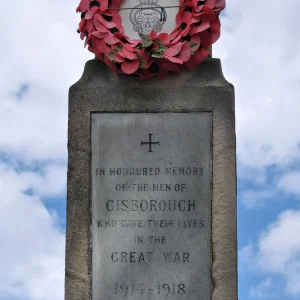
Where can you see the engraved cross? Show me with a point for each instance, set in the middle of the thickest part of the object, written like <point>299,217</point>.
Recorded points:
<point>150,143</point>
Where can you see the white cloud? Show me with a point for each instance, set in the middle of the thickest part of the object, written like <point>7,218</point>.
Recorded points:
<point>32,248</point>
<point>290,182</point>
<point>255,199</point>
<point>263,192</point>
<point>50,182</point>
<point>263,290</point>
<point>36,126</point>
<point>43,50</point>
<point>257,175</point>
<point>278,251</point>
<point>259,51</point>
<point>278,246</point>
<point>53,181</point>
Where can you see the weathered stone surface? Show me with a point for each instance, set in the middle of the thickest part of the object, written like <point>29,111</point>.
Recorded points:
<point>203,90</point>
<point>151,206</point>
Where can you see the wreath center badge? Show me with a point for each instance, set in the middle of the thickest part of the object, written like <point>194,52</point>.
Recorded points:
<point>147,16</point>
<point>154,53</point>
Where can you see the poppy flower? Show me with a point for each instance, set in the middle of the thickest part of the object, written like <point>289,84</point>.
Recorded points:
<point>185,52</point>
<point>178,53</point>
<point>206,17</point>
<point>185,4</point>
<point>198,5</point>
<point>164,37</point>
<point>100,19</point>
<point>116,19</point>
<point>196,40</point>
<point>103,5</point>
<point>145,56</point>
<point>130,66</point>
<point>155,70</point>
<point>197,58</point>
<point>184,22</point>
<point>215,27</point>
<point>110,21</point>
<point>83,6</point>
<point>100,45</point>
<point>114,4</point>
<point>91,12</point>
<point>129,60</point>
<point>220,5</point>
<point>110,39</point>
<point>175,37</point>
<point>206,39</point>
<point>110,64</point>
<point>127,54</point>
<point>82,25</point>
<point>146,74</point>
<point>126,42</point>
<point>172,67</point>
<point>171,53</point>
<point>164,68</point>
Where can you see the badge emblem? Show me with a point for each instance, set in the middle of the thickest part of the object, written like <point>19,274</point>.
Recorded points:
<point>148,16</point>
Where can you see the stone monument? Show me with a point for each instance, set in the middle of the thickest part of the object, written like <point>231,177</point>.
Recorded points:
<point>151,204</point>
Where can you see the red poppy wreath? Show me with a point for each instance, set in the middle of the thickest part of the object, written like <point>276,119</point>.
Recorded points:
<point>197,28</point>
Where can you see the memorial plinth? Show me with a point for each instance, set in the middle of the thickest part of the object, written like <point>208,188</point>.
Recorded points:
<point>151,210</point>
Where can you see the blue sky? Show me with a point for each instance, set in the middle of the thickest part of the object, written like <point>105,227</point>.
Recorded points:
<point>42,55</point>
